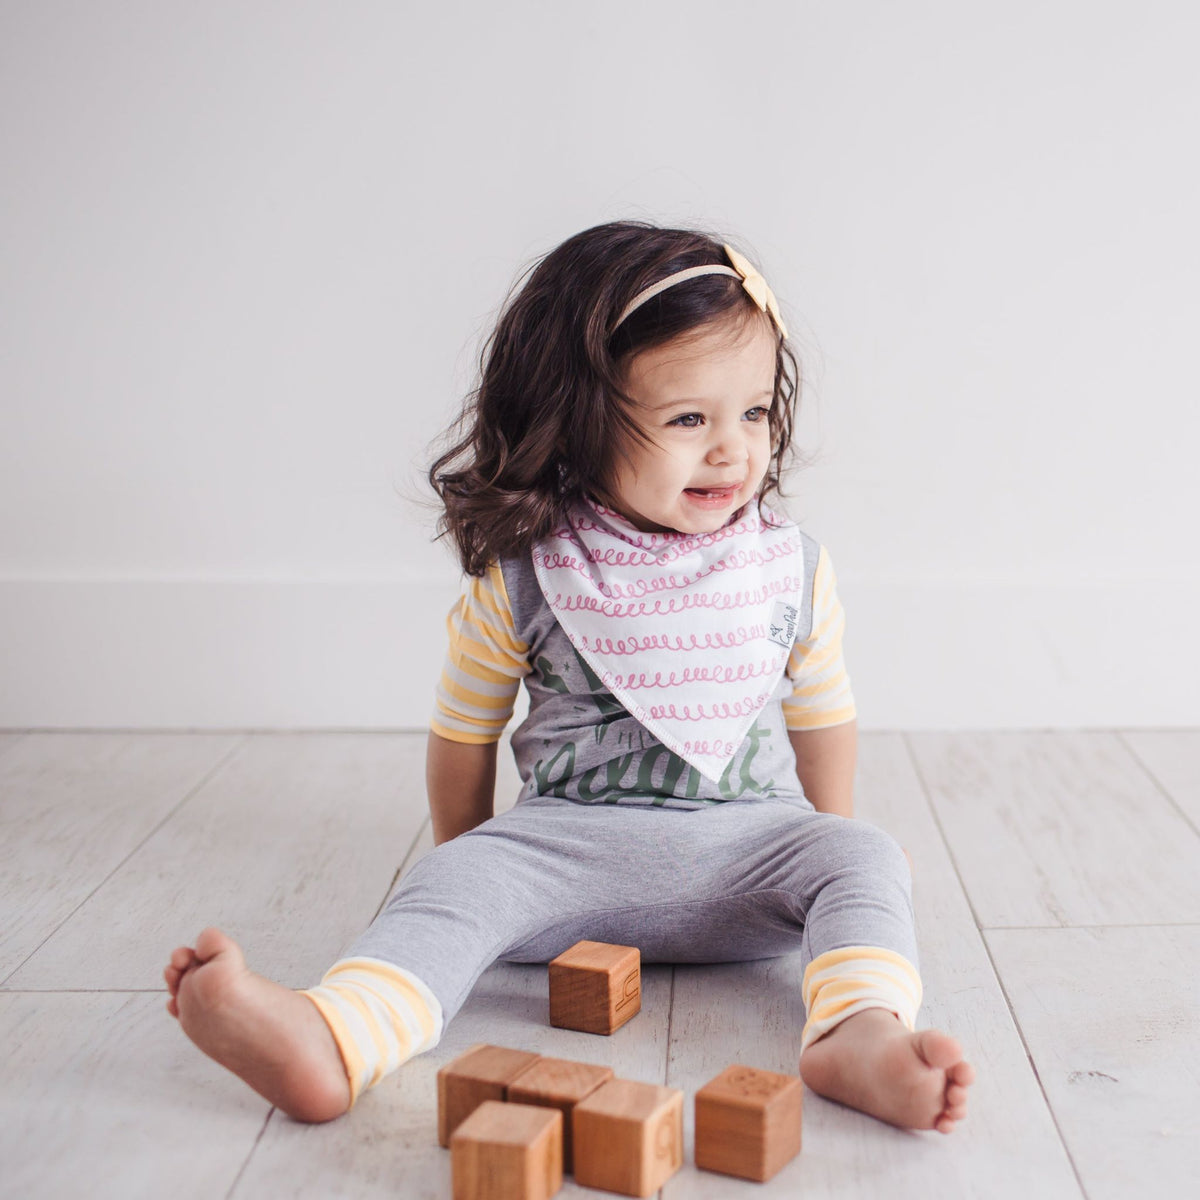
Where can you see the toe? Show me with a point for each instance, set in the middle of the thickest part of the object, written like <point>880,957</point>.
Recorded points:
<point>212,942</point>
<point>172,1007</point>
<point>938,1049</point>
<point>945,1124</point>
<point>172,977</point>
<point>961,1073</point>
<point>181,957</point>
<point>956,1096</point>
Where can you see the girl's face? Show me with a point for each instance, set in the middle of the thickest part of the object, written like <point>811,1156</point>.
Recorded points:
<point>702,402</point>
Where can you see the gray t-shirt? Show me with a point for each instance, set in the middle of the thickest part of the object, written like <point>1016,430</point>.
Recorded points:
<point>579,743</point>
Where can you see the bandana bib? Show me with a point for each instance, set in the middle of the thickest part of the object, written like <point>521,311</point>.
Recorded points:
<point>690,632</point>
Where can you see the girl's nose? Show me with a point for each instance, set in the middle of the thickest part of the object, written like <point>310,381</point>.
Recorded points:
<point>727,447</point>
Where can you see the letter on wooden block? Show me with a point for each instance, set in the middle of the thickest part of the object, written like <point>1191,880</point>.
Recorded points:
<point>595,987</point>
<point>507,1152</point>
<point>480,1073</point>
<point>559,1083</point>
<point>628,1137</point>
<point>748,1122</point>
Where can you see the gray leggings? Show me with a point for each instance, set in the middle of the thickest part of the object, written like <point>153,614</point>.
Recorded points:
<point>746,879</point>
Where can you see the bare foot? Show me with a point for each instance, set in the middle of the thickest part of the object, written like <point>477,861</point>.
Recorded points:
<point>872,1063</point>
<point>268,1035</point>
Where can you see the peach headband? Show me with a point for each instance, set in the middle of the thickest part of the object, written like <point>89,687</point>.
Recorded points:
<point>752,281</point>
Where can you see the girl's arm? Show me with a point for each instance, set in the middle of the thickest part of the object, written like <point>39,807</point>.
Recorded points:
<point>461,781</point>
<point>825,761</point>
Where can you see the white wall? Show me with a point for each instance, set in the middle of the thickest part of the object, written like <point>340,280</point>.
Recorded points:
<point>247,251</point>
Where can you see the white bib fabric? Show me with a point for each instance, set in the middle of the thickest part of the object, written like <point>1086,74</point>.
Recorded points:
<point>690,632</point>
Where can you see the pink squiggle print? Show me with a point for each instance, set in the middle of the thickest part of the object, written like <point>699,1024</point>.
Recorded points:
<point>672,545</point>
<point>714,748</point>
<point>625,558</point>
<point>646,587</point>
<point>551,560</point>
<point>664,641</point>
<point>740,560</point>
<point>726,674</point>
<point>554,560</point>
<point>737,708</point>
<point>663,608</point>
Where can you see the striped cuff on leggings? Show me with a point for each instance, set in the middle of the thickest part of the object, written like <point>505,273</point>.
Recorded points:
<point>840,983</point>
<point>380,1015</point>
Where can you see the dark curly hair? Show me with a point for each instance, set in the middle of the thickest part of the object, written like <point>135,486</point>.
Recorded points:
<point>550,415</point>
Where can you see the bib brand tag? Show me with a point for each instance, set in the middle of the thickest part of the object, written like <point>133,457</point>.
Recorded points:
<point>782,630</point>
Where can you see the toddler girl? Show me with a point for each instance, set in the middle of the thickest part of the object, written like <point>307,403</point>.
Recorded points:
<point>688,757</point>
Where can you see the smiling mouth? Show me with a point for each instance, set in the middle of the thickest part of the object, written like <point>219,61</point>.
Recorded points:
<point>721,493</point>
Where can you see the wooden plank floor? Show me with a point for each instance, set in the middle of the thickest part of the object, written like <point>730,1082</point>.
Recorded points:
<point>1057,889</point>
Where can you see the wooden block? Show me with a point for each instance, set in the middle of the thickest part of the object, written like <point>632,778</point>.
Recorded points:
<point>595,987</point>
<point>478,1074</point>
<point>628,1137</point>
<point>748,1122</point>
<point>507,1152</point>
<point>559,1083</point>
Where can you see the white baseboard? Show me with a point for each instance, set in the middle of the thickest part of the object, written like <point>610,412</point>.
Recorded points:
<point>188,654</point>
<point>202,654</point>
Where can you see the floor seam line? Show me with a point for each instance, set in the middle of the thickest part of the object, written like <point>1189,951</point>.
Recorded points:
<point>250,1154</point>
<point>1012,1013</point>
<point>404,862</point>
<point>1158,783</point>
<point>667,1056</point>
<point>186,797</point>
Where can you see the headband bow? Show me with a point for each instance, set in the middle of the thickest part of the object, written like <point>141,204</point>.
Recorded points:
<point>757,287</point>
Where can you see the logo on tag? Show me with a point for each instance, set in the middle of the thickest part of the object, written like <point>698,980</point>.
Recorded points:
<point>782,630</point>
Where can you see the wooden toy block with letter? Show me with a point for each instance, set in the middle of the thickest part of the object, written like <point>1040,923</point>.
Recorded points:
<point>480,1073</point>
<point>628,1137</point>
<point>595,987</point>
<point>507,1152</point>
<point>559,1083</point>
<point>748,1122</point>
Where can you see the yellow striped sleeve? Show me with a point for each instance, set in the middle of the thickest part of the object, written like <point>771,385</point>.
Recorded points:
<point>485,663</point>
<point>821,694</point>
<point>840,983</point>
<point>380,1016</point>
